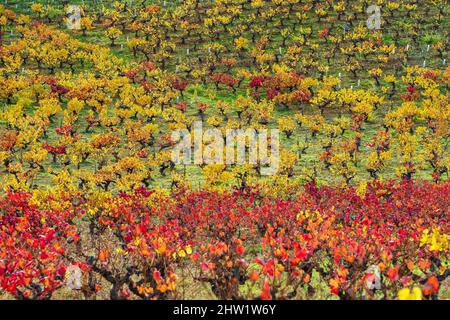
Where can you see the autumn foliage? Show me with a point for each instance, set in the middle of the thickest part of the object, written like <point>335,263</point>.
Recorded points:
<point>93,206</point>
<point>360,244</point>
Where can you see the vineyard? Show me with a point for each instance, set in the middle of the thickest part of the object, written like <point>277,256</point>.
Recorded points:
<point>93,204</point>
